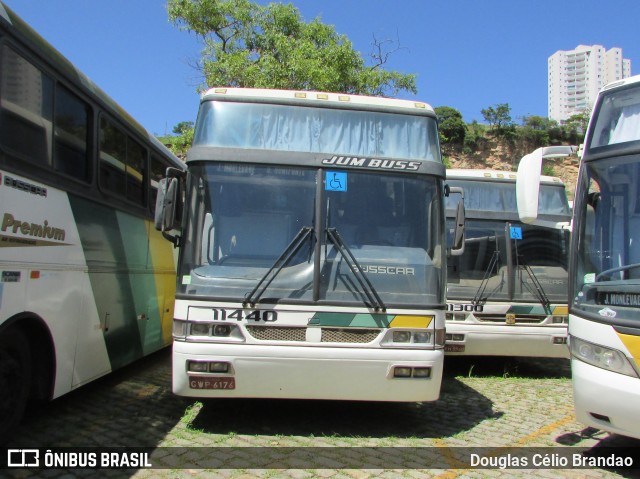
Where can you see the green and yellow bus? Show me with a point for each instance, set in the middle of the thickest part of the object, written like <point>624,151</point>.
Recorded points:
<point>87,284</point>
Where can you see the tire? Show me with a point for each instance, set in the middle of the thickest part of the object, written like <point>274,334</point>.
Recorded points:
<point>15,380</point>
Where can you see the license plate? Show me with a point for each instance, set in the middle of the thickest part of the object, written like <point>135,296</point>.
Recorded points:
<point>202,382</point>
<point>454,348</point>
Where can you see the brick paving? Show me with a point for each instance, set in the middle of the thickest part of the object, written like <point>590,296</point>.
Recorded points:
<point>485,403</point>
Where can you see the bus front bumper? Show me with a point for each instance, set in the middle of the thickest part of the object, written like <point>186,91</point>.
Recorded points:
<point>295,372</point>
<point>516,341</point>
<point>606,400</point>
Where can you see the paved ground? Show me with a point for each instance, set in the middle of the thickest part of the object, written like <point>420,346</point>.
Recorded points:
<point>486,404</point>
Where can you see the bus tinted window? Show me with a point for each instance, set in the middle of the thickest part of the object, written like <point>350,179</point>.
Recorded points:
<point>113,154</point>
<point>136,159</point>
<point>70,134</point>
<point>122,164</point>
<point>26,108</point>
<point>157,170</point>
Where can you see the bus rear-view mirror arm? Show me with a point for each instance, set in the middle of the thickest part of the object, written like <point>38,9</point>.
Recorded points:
<point>528,179</point>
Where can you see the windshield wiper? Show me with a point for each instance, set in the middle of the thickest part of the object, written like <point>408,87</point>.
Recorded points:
<point>495,258</point>
<point>538,291</point>
<point>356,269</point>
<point>289,252</point>
<point>626,267</point>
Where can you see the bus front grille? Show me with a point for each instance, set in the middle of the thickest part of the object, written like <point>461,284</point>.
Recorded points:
<point>503,319</point>
<point>277,333</point>
<point>299,334</point>
<point>342,335</point>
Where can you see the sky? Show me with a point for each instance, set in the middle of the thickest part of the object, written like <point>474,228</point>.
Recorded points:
<point>467,54</point>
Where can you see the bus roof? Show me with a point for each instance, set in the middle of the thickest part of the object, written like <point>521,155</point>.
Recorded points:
<point>624,82</point>
<point>507,176</point>
<point>316,98</point>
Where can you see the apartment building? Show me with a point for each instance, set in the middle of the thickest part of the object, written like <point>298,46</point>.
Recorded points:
<point>576,76</point>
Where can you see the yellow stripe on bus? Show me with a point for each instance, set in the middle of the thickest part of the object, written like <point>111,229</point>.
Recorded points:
<point>632,343</point>
<point>401,321</point>
<point>162,258</point>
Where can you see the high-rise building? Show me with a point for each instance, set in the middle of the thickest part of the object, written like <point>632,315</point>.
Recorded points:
<point>576,76</point>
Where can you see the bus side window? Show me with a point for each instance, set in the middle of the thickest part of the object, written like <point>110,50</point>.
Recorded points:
<point>157,171</point>
<point>71,127</point>
<point>122,164</point>
<point>25,108</point>
<point>113,151</point>
<point>136,172</point>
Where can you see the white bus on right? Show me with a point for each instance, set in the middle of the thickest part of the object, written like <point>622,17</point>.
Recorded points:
<point>604,270</point>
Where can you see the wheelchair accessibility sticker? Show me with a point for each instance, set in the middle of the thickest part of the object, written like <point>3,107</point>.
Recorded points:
<point>335,181</point>
<point>516,232</point>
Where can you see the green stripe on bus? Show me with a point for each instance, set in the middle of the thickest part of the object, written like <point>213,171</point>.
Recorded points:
<point>353,320</point>
<point>110,274</point>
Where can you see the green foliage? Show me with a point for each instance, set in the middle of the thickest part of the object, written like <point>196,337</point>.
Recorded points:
<point>250,45</point>
<point>548,169</point>
<point>450,125</point>
<point>499,117</point>
<point>475,139</point>
<point>184,127</point>
<point>576,127</point>
<point>181,142</point>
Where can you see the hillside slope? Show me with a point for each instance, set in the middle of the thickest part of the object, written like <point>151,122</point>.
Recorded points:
<point>498,156</point>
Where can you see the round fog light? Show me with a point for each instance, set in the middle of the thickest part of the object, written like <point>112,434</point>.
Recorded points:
<point>421,337</point>
<point>221,330</point>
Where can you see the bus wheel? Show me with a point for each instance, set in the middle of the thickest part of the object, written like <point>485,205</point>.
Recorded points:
<point>15,380</point>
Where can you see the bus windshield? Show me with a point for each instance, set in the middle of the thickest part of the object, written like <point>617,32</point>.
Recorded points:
<point>510,261</point>
<point>607,276</point>
<point>617,123</point>
<point>504,259</point>
<point>317,130</point>
<point>244,217</point>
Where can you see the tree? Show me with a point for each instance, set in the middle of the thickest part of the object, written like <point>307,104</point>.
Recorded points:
<point>181,142</point>
<point>182,128</point>
<point>250,45</point>
<point>499,117</point>
<point>451,126</point>
<point>576,126</point>
<point>534,132</point>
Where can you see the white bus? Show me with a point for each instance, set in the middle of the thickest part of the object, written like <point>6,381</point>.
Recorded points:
<point>87,284</point>
<point>312,255</point>
<point>604,293</point>
<point>507,294</point>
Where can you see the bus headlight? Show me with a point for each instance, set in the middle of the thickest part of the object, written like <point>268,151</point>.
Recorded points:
<point>601,357</point>
<point>402,338</point>
<point>199,329</point>
<point>422,336</point>
<point>206,331</point>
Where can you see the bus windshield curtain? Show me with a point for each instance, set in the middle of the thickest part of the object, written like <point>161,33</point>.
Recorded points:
<point>319,130</point>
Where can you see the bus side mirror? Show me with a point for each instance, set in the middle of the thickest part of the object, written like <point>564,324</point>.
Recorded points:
<point>457,248</point>
<point>528,186</point>
<point>167,206</point>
